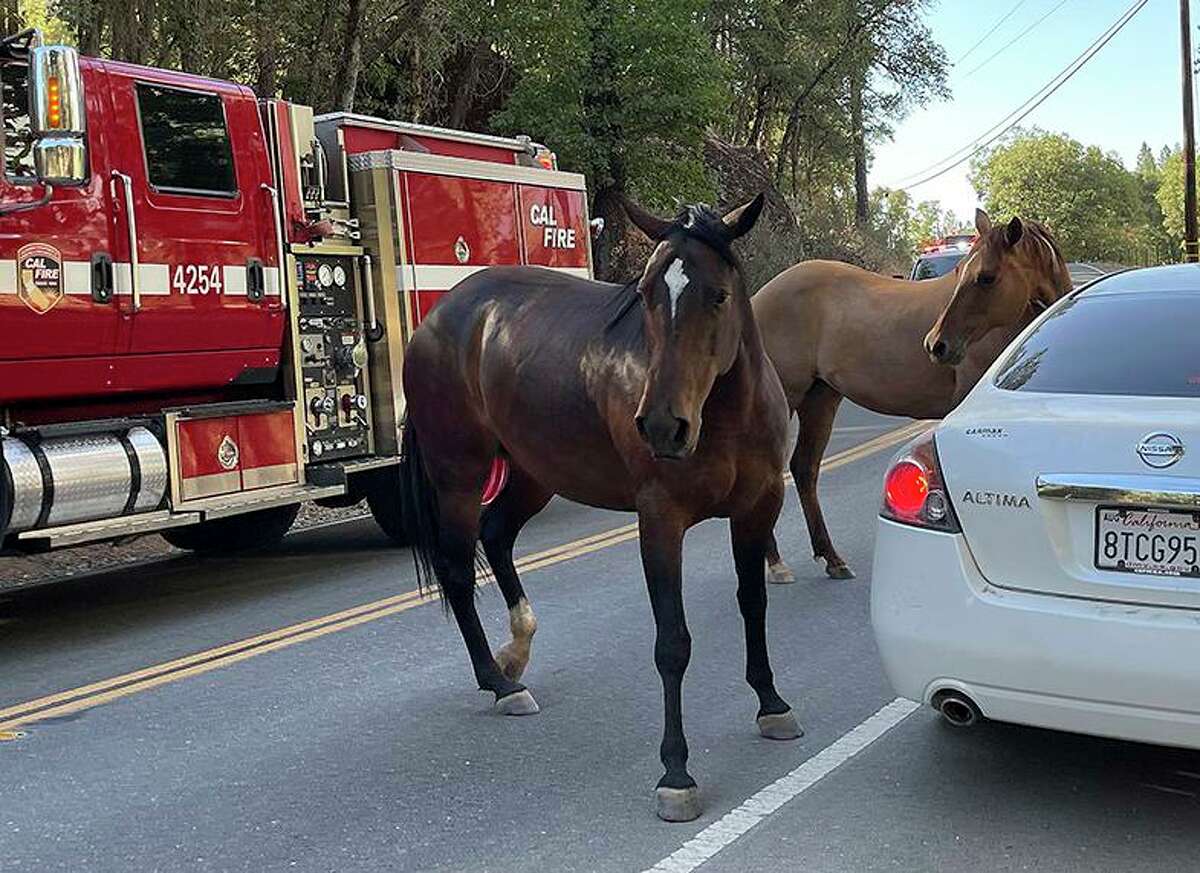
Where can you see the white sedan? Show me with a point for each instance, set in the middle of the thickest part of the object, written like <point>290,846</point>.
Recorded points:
<point>1038,554</point>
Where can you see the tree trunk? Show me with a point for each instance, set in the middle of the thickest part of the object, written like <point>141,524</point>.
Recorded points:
<point>127,42</point>
<point>11,19</point>
<point>266,80</point>
<point>760,118</point>
<point>347,79</point>
<point>861,195</point>
<point>470,82</point>
<point>606,249</point>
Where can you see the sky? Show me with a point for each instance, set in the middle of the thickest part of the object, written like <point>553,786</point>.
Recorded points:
<point>1127,94</point>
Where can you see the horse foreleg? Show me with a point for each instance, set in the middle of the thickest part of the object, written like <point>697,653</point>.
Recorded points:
<point>677,796</point>
<point>750,535</point>
<point>502,521</point>
<point>817,412</point>
<point>455,568</point>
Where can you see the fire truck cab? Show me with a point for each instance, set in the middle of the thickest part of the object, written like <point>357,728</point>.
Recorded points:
<point>206,295</point>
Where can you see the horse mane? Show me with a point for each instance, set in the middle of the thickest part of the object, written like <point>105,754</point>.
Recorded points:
<point>1058,264</point>
<point>702,222</point>
<point>625,299</point>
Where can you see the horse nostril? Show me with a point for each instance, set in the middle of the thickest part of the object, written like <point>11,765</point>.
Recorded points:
<point>681,432</point>
<point>938,349</point>
<point>640,421</point>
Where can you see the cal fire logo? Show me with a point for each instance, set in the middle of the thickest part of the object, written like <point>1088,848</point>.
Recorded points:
<point>39,277</point>
<point>553,237</point>
<point>227,453</point>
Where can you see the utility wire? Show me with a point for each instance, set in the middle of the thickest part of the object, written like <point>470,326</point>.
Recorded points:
<point>1007,15</point>
<point>1057,6</point>
<point>1021,112</point>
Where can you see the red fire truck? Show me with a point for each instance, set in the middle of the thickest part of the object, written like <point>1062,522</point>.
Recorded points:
<point>206,295</point>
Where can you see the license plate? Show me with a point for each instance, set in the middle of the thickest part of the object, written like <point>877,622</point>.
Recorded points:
<point>1158,542</point>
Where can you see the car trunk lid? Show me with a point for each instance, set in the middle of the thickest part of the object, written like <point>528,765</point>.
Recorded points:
<point>1087,496</point>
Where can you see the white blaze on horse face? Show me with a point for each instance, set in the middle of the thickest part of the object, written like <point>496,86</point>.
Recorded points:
<point>676,281</point>
<point>963,274</point>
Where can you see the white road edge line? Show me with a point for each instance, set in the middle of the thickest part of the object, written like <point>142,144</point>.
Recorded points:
<point>739,821</point>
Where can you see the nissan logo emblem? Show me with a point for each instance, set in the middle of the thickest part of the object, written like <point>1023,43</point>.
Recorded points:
<point>1160,450</point>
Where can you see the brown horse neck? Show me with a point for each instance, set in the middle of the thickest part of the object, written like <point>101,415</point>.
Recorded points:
<point>736,385</point>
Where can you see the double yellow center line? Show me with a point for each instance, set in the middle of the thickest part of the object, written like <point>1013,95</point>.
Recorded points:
<point>107,690</point>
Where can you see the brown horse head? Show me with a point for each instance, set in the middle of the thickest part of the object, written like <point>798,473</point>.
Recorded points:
<point>1012,271</point>
<point>694,310</point>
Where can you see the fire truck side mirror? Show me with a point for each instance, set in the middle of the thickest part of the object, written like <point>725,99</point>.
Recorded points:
<point>57,115</point>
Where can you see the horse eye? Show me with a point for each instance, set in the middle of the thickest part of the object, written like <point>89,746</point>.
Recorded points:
<point>720,297</point>
<point>985,279</point>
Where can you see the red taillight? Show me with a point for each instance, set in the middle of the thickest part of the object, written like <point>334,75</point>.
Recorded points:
<point>914,491</point>
<point>906,488</point>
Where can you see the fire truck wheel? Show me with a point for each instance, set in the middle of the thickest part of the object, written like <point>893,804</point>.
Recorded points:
<point>252,530</point>
<point>383,497</point>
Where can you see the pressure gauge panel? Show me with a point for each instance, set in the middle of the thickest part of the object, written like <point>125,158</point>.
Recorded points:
<point>334,358</point>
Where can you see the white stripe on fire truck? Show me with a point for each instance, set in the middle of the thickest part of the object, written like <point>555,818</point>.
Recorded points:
<point>155,279</point>
<point>430,277</point>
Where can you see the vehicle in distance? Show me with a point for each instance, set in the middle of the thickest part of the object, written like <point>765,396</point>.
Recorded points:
<point>940,257</point>
<point>1038,554</point>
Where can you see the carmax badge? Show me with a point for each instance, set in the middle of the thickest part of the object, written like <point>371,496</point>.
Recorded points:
<point>1160,450</point>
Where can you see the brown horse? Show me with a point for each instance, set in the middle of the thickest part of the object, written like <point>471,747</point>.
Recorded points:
<point>656,397</point>
<point>837,331</point>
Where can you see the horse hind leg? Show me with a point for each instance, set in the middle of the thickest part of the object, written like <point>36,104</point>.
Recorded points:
<point>502,521</point>
<point>455,568</point>
<point>817,411</point>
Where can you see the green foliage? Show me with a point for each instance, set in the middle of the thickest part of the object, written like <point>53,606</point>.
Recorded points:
<point>623,90</point>
<point>1169,195</point>
<point>1096,208</point>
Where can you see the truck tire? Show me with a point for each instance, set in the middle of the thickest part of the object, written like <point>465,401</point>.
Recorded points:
<point>382,488</point>
<point>236,533</point>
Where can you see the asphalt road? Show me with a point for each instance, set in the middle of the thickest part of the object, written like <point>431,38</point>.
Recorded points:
<point>358,742</point>
<point>1082,273</point>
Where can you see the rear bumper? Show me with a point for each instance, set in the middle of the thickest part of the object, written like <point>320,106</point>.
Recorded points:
<point>1107,669</point>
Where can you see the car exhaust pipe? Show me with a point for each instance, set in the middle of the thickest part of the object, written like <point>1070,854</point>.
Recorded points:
<point>957,708</point>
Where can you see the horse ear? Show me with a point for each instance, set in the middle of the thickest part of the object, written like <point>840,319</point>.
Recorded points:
<point>740,220</point>
<point>651,225</point>
<point>983,224</point>
<point>1012,233</point>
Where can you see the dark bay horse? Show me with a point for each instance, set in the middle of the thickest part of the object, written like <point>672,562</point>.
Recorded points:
<point>896,347</point>
<point>656,397</point>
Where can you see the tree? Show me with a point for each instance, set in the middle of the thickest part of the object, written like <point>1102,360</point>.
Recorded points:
<point>1170,197</point>
<point>1090,201</point>
<point>1147,166</point>
<point>625,90</point>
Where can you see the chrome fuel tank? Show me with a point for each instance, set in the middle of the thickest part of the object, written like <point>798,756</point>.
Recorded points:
<point>64,480</point>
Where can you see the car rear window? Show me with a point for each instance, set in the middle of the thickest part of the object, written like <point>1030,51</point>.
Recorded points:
<point>1124,344</point>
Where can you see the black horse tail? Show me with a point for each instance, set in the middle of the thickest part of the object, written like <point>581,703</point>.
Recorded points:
<point>419,511</point>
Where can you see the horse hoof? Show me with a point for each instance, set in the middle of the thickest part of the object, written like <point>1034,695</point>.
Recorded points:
<point>780,726</point>
<point>678,804</point>
<point>518,703</point>
<point>780,574</point>
<point>839,571</point>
